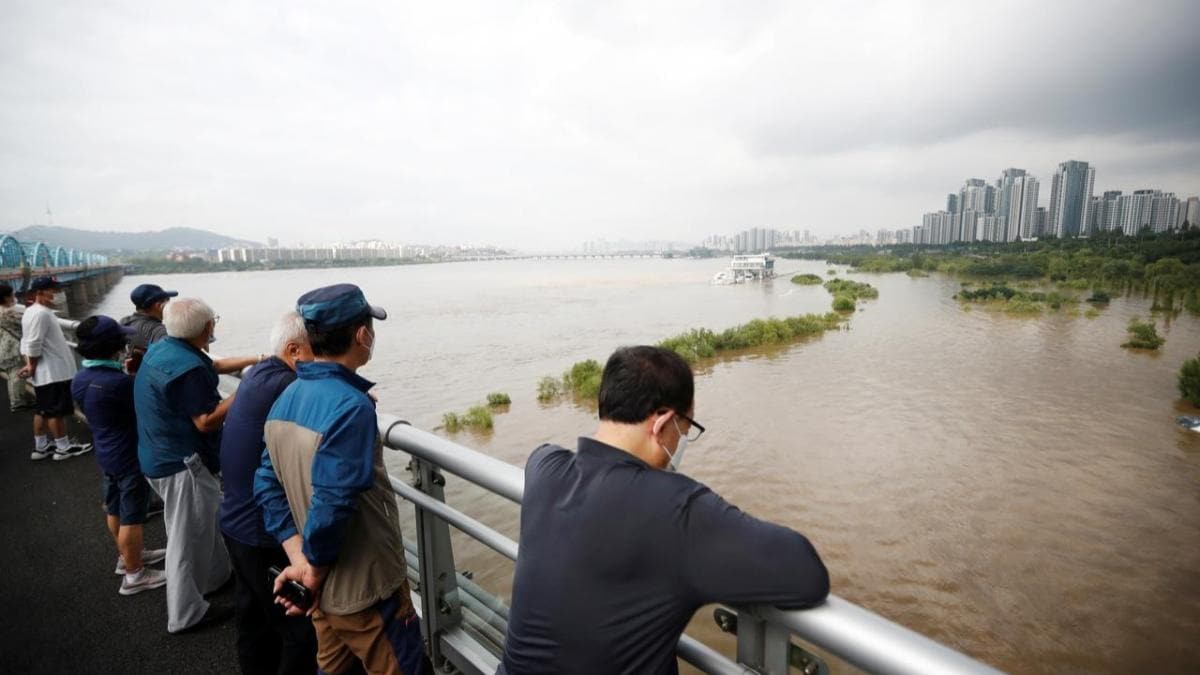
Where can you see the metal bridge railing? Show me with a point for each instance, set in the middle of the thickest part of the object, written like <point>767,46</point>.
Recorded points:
<point>464,625</point>
<point>857,635</point>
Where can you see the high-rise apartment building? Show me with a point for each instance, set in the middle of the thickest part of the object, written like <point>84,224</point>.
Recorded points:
<point>1135,210</point>
<point>1021,219</point>
<point>1164,208</point>
<point>1069,214</point>
<point>1192,215</point>
<point>1004,188</point>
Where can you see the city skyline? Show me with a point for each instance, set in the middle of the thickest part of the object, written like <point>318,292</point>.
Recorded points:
<point>546,124</point>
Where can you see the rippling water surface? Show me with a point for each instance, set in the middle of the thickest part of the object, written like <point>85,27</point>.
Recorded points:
<point>1014,487</point>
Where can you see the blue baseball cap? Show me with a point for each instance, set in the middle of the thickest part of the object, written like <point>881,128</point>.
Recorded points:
<point>44,284</point>
<point>147,294</point>
<point>335,306</point>
<point>101,328</point>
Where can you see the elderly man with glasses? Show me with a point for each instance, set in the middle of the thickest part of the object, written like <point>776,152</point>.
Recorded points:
<point>179,418</point>
<point>619,549</point>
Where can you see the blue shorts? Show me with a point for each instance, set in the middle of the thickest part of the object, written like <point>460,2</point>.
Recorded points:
<point>127,496</point>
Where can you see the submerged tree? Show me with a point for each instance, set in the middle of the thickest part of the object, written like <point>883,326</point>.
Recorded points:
<point>1189,381</point>
<point>1143,335</point>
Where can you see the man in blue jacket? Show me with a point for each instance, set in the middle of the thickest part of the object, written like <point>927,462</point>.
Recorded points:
<point>326,497</point>
<point>268,642</point>
<point>619,550</point>
<point>179,418</point>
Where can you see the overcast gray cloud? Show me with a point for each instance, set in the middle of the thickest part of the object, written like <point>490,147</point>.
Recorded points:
<point>542,124</point>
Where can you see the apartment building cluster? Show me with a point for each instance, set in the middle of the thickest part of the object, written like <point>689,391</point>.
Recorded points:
<point>1008,210</point>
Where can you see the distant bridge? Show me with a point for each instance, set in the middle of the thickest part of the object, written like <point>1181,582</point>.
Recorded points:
<point>87,276</point>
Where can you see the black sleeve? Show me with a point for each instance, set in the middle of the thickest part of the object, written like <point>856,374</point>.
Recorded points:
<point>732,557</point>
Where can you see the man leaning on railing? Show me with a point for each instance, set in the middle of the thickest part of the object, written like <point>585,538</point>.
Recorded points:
<point>619,550</point>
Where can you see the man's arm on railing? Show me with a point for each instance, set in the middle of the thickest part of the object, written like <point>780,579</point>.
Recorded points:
<point>732,557</point>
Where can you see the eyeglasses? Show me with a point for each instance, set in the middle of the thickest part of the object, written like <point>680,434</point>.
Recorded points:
<point>695,431</point>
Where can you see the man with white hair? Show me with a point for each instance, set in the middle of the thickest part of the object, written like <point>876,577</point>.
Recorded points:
<point>268,642</point>
<point>179,418</point>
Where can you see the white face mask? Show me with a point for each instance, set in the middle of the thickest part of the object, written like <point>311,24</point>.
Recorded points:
<point>676,458</point>
<point>371,347</point>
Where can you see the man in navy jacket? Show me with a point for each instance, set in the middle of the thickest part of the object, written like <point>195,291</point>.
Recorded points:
<point>619,550</point>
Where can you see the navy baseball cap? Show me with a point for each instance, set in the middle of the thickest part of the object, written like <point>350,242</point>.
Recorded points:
<point>336,306</point>
<point>44,284</point>
<point>147,294</point>
<point>101,328</point>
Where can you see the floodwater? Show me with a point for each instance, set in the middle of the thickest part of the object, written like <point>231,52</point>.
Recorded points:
<point>1013,487</point>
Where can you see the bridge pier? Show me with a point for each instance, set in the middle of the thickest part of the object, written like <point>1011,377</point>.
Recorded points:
<point>77,299</point>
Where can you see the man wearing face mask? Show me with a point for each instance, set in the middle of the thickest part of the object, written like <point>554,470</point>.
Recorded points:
<point>619,550</point>
<point>325,496</point>
<point>179,418</point>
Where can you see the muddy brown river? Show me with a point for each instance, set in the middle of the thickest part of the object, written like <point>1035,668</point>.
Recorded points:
<point>1013,487</point>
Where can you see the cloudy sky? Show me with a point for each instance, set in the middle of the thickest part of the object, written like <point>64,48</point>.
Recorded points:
<point>542,124</point>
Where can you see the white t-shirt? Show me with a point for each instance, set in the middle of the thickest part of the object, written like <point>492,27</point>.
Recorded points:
<point>42,337</point>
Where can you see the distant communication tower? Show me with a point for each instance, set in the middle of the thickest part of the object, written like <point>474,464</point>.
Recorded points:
<point>49,215</point>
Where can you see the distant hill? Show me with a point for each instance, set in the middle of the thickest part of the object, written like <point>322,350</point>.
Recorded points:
<point>170,238</point>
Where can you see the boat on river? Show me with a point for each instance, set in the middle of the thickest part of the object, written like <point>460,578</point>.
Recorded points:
<point>1189,422</point>
<point>744,268</point>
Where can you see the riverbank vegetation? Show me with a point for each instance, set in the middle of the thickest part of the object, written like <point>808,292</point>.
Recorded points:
<point>1165,265</point>
<point>807,279</point>
<point>1143,335</point>
<point>497,399</point>
<point>583,378</point>
<point>1189,381</point>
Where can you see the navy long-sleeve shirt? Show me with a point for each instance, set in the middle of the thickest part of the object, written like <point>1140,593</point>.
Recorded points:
<point>616,556</point>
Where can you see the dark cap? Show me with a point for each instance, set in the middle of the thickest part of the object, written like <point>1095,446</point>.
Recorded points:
<point>336,306</point>
<point>44,284</point>
<point>147,294</point>
<point>100,329</point>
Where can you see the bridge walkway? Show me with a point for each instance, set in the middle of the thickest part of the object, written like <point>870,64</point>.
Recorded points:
<point>62,613</point>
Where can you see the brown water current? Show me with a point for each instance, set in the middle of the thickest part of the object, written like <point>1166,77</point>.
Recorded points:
<point>1013,487</point>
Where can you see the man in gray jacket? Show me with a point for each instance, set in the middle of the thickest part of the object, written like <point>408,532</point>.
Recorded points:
<point>148,302</point>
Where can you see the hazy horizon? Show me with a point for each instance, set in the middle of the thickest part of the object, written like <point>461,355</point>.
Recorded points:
<point>543,125</point>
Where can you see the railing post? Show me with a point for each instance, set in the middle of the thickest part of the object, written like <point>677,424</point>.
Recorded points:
<point>440,605</point>
<point>751,637</point>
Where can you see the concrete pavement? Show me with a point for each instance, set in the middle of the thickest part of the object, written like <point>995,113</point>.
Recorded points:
<point>60,609</point>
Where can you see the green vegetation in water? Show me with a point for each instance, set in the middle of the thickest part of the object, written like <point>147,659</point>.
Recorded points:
<point>549,388</point>
<point>497,398</point>
<point>916,273</point>
<point>806,279</point>
<point>477,417</point>
<point>1143,335</point>
<point>843,303</point>
<point>1092,313</point>
<point>847,293</point>
<point>831,272</point>
<point>855,289</point>
<point>1099,298</point>
<point>1014,301</point>
<point>1189,381</point>
<point>583,379</point>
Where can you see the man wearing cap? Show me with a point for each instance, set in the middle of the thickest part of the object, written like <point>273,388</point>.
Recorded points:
<point>148,302</point>
<point>104,392</point>
<point>49,365</point>
<point>179,418</point>
<point>326,497</point>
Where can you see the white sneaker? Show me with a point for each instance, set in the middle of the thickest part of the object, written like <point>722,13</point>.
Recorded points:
<point>73,450</point>
<point>43,453</point>
<point>149,557</point>
<point>144,580</point>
